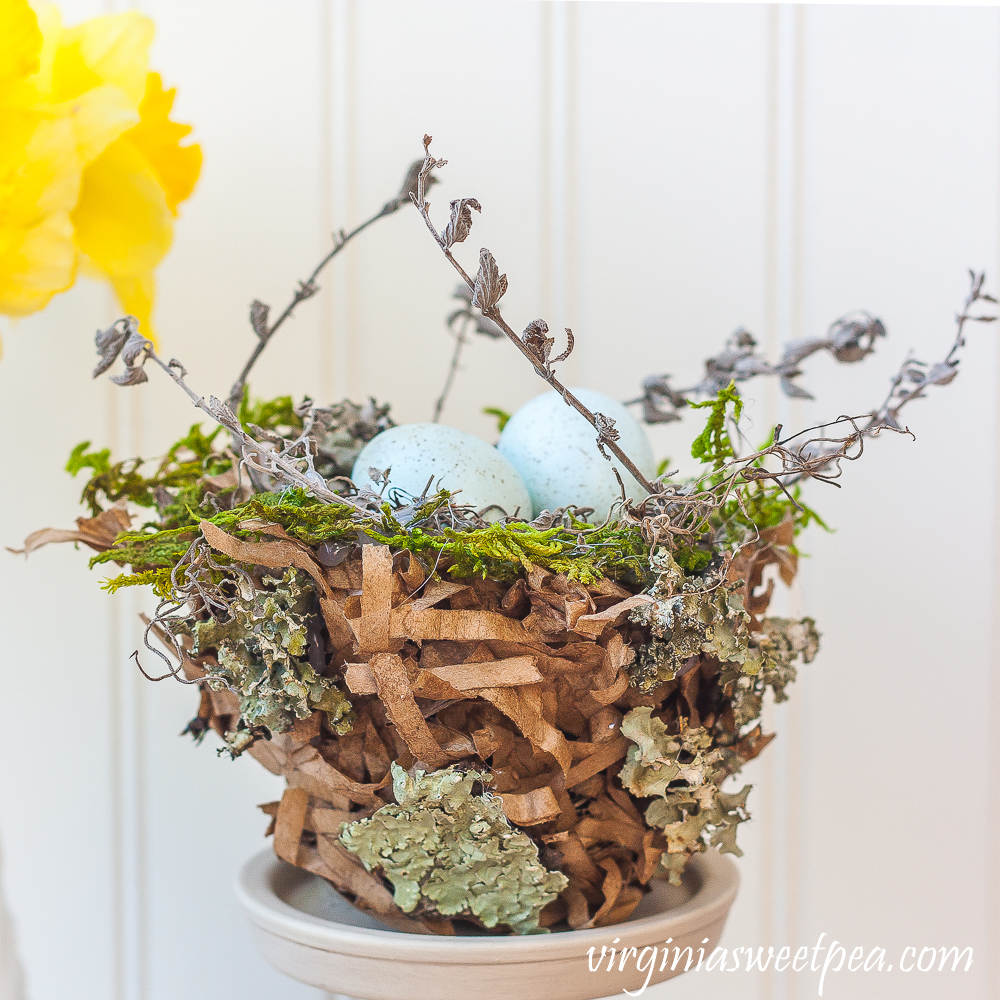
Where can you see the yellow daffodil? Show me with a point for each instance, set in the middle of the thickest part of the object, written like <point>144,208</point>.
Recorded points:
<point>91,167</point>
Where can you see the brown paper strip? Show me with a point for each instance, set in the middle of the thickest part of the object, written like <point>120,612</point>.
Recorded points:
<point>613,750</point>
<point>341,633</point>
<point>609,695</point>
<point>611,888</point>
<point>306,729</point>
<point>360,679</point>
<point>414,574</point>
<point>273,555</point>
<point>485,742</point>
<point>376,599</point>
<point>595,831</point>
<point>350,876</point>
<point>435,592</point>
<point>512,672</point>
<point>523,706</point>
<point>289,822</point>
<point>394,691</point>
<point>594,625</point>
<point>462,626</point>
<point>329,820</point>
<point>530,808</point>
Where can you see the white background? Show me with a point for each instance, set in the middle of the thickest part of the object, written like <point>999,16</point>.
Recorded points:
<point>652,175</point>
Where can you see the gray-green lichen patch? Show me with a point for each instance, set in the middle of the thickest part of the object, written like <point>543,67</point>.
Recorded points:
<point>448,850</point>
<point>691,615</point>
<point>684,772</point>
<point>703,614</point>
<point>261,653</point>
<point>782,642</point>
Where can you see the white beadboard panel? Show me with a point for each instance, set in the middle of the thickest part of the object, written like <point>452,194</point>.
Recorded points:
<point>251,79</point>
<point>57,813</point>
<point>675,239</point>
<point>901,167</point>
<point>470,75</point>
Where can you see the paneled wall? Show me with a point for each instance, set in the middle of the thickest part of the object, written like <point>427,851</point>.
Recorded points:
<point>653,175</point>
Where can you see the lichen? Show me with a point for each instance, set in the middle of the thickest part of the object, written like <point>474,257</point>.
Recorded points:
<point>261,653</point>
<point>691,615</point>
<point>659,759</point>
<point>448,850</point>
<point>684,772</point>
<point>782,641</point>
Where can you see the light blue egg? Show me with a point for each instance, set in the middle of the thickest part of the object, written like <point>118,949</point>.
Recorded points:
<point>451,459</point>
<point>554,449</point>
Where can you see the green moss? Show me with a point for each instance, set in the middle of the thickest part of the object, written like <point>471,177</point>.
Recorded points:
<point>176,477</point>
<point>271,414</point>
<point>582,551</point>
<point>712,445</point>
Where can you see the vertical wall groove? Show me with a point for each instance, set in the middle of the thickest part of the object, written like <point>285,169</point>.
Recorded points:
<point>781,797</point>
<point>338,353</point>
<point>559,166</point>
<point>545,159</point>
<point>794,805</point>
<point>993,770</point>
<point>324,383</point>
<point>116,844</point>
<point>767,791</point>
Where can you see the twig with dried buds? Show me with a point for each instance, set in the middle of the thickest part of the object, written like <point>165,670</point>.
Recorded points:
<point>488,287</point>
<point>308,288</point>
<point>280,461</point>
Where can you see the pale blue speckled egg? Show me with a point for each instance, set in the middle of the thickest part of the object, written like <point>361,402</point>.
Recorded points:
<point>554,449</point>
<point>451,459</point>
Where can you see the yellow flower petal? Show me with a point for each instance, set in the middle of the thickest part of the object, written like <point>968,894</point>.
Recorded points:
<point>20,41</point>
<point>122,220</point>
<point>136,295</point>
<point>177,167</point>
<point>112,49</point>
<point>36,266</point>
<point>39,185</point>
<point>99,117</point>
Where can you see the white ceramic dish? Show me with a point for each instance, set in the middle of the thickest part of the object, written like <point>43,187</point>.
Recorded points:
<point>310,933</point>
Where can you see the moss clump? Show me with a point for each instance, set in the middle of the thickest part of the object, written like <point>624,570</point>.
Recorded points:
<point>582,551</point>
<point>448,850</point>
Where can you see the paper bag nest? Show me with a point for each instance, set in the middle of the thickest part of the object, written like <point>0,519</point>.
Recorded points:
<point>526,684</point>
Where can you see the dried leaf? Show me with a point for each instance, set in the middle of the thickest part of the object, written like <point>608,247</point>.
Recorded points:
<point>490,285</point>
<point>99,533</point>
<point>460,224</point>
<point>109,342</point>
<point>131,376</point>
<point>258,318</point>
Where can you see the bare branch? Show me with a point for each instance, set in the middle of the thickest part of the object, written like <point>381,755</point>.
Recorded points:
<point>488,288</point>
<point>308,288</point>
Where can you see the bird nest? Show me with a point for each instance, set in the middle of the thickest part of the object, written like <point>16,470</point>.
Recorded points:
<point>508,722</point>
<point>527,694</point>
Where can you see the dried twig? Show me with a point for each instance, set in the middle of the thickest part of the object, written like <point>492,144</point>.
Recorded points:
<point>281,462</point>
<point>308,288</point>
<point>488,287</point>
<point>683,512</point>
<point>851,338</point>
<point>460,323</point>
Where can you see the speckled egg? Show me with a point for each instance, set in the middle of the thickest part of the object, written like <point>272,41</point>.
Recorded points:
<point>555,450</point>
<point>454,460</point>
